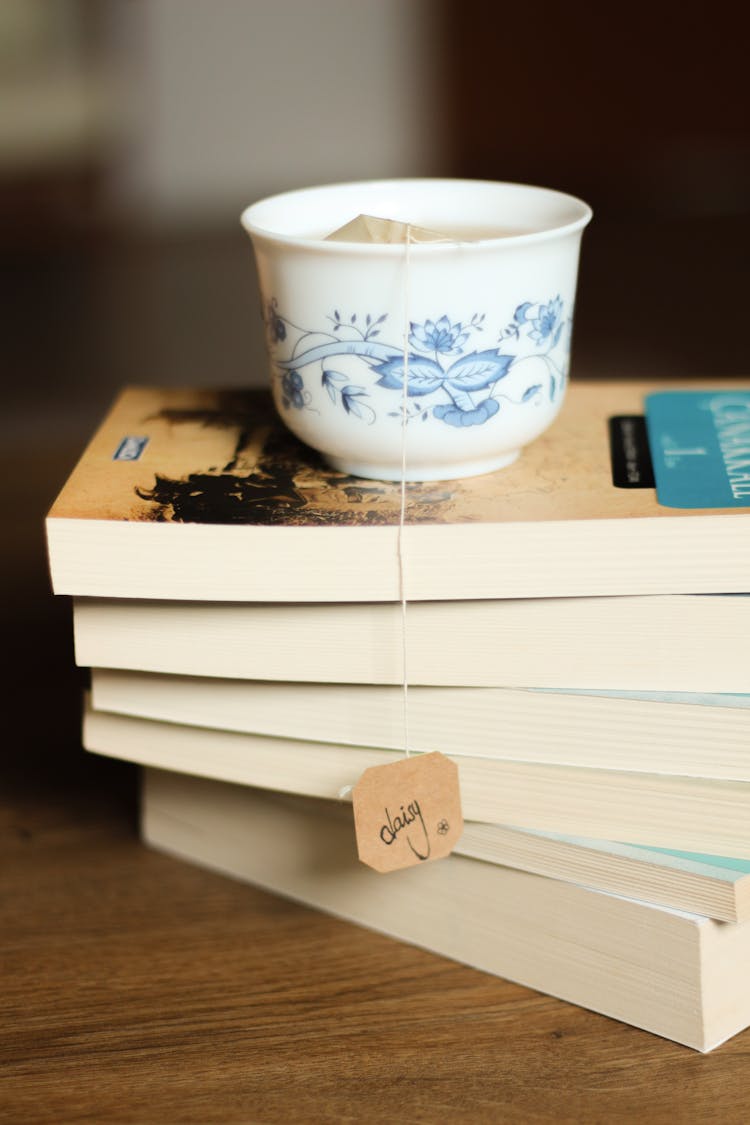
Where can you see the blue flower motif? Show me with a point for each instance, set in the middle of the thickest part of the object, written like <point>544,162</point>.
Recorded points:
<point>545,320</point>
<point>275,324</point>
<point>438,363</point>
<point>292,387</point>
<point>441,336</point>
<point>453,416</point>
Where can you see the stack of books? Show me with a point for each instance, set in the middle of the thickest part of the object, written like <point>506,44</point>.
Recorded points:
<point>578,644</point>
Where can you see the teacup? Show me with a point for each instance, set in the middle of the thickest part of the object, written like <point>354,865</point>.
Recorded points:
<point>432,359</point>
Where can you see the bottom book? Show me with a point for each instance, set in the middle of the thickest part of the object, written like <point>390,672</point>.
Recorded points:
<point>676,974</point>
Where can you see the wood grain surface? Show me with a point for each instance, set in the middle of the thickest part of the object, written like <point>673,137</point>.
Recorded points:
<point>139,989</point>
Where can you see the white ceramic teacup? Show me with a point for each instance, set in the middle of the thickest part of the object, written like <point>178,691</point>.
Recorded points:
<point>484,319</point>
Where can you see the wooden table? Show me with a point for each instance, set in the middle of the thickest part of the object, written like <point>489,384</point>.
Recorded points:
<point>140,989</point>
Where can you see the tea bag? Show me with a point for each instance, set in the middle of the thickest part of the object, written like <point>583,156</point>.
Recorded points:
<point>370,228</point>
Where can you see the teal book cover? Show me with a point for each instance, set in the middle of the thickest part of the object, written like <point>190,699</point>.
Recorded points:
<point>700,448</point>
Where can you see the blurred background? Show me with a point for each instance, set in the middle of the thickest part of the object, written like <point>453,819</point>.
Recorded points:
<point>133,132</point>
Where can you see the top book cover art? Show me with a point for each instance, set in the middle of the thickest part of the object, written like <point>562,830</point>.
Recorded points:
<point>224,457</point>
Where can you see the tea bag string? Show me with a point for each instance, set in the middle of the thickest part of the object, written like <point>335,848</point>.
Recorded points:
<point>401,546</point>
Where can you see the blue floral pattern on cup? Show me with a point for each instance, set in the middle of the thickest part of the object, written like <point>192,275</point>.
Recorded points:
<point>443,378</point>
<point>292,390</point>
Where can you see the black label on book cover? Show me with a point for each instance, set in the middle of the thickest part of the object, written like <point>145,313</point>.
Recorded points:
<point>629,451</point>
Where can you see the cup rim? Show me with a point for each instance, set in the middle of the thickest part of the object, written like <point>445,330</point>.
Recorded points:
<point>261,230</point>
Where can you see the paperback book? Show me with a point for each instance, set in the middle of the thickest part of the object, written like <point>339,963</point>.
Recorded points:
<point>186,494</point>
<point>677,974</point>
<point>715,886</point>
<point>660,810</point>
<point>695,735</point>
<point>663,643</point>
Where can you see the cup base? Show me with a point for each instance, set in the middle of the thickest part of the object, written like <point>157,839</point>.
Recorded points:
<point>423,472</point>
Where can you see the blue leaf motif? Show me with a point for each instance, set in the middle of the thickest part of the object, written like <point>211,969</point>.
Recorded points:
<point>388,379</point>
<point>350,397</point>
<point>424,375</point>
<point>530,392</point>
<point>477,370</point>
<point>329,379</point>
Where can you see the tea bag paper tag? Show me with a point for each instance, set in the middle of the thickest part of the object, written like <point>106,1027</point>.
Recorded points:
<point>371,228</point>
<point>407,812</point>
